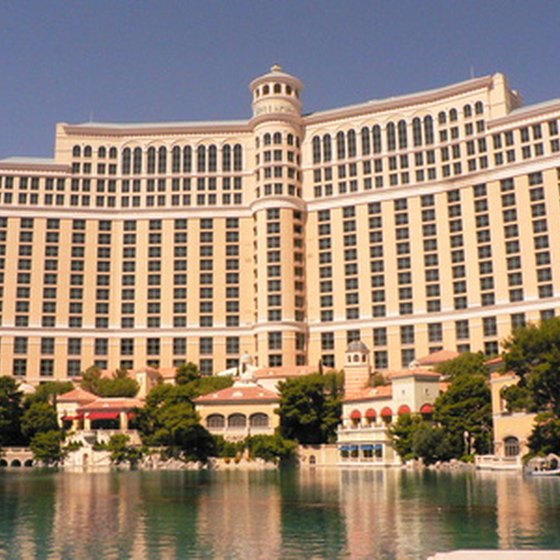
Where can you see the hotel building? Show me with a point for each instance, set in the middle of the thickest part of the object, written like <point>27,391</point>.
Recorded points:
<point>414,223</point>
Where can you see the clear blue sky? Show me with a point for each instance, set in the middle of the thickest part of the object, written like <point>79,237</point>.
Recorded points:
<point>130,61</point>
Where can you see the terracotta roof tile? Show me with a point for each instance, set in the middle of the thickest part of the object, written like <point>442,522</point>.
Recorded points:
<point>436,358</point>
<point>116,403</point>
<point>416,372</point>
<point>77,395</point>
<point>240,393</point>
<point>370,393</point>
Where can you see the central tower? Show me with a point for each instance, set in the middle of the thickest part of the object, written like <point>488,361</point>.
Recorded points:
<point>279,218</point>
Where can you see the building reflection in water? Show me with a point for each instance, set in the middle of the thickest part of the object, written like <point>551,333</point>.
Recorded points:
<point>310,513</point>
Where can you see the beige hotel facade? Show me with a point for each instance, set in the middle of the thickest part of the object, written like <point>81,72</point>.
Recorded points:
<point>414,223</point>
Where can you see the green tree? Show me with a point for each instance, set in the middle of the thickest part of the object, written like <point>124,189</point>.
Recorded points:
<point>402,433</point>
<point>533,353</point>
<point>122,451</point>
<point>11,411</point>
<point>432,444</point>
<point>47,392</point>
<point>39,417</point>
<point>273,449</point>
<point>310,407</point>
<point>118,385</point>
<point>229,449</point>
<point>467,363</point>
<point>187,373</point>
<point>464,411</point>
<point>169,419</point>
<point>545,437</point>
<point>518,399</point>
<point>47,448</point>
<point>416,438</point>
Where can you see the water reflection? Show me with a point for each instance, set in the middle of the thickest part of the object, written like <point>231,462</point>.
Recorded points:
<point>322,513</point>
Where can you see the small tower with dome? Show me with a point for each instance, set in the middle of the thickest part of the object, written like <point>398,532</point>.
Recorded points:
<point>357,370</point>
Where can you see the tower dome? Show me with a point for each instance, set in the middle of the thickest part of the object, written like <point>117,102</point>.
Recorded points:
<point>276,94</point>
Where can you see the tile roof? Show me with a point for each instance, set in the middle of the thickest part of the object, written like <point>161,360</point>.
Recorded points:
<point>436,358</point>
<point>239,393</point>
<point>77,395</point>
<point>370,393</point>
<point>414,372</point>
<point>116,403</point>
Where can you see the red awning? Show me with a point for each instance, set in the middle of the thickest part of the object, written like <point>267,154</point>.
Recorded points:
<point>370,413</point>
<point>103,415</point>
<point>386,412</point>
<point>403,409</point>
<point>356,415</point>
<point>427,409</point>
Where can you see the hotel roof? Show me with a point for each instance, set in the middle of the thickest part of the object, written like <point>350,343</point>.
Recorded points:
<point>239,393</point>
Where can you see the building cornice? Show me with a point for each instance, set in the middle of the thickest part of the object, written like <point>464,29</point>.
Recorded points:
<point>153,129</point>
<point>400,102</point>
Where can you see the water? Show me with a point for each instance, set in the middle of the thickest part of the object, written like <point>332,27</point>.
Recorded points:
<point>378,515</point>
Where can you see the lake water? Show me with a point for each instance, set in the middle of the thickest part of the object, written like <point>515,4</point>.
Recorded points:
<point>315,514</point>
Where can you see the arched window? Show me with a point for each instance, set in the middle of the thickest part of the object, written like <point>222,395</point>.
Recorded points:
<point>87,151</point>
<point>226,158</point>
<point>288,90</point>
<point>467,111</point>
<point>391,141</point>
<point>176,159</point>
<point>416,132</point>
<point>102,152</point>
<point>316,149</point>
<point>259,420</point>
<point>290,139</point>
<point>266,90</point>
<point>277,139</point>
<point>403,141</point>
<point>452,115</point>
<point>340,146</point>
<point>267,139</point>
<point>479,108</point>
<point>237,158</point>
<point>162,159</point>
<point>212,158</point>
<point>277,88</point>
<point>327,148</point>
<point>76,151</point>
<point>237,421</point>
<point>351,137</point>
<point>376,135</point>
<point>151,160</point>
<point>429,129</point>
<point>201,159</point>
<point>442,118</point>
<point>187,159</point>
<point>126,161</point>
<point>366,143</point>
<point>137,160</point>
<point>511,446</point>
<point>215,421</point>
<point>113,152</point>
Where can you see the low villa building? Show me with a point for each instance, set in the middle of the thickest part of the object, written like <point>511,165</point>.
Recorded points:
<point>245,409</point>
<point>367,412</point>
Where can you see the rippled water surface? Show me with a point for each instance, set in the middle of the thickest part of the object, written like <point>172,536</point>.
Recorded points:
<point>378,515</point>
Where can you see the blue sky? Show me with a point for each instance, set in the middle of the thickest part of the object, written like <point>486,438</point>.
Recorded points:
<point>134,61</point>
